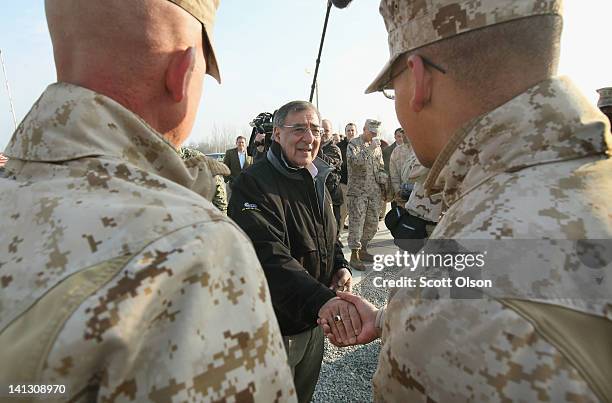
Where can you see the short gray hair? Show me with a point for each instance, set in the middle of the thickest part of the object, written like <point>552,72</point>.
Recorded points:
<point>294,106</point>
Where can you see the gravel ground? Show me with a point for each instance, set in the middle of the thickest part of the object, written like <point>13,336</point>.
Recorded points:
<point>346,373</point>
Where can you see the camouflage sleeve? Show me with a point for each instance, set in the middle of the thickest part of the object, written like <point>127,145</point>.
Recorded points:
<point>357,155</point>
<point>188,319</point>
<point>220,198</point>
<point>381,174</point>
<point>469,350</point>
<point>395,169</point>
<point>333,158</point>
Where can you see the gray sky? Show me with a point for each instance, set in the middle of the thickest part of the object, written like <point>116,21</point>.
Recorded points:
<point>266,49</point>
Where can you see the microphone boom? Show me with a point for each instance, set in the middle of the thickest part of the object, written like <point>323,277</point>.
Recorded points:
<point>341,3</point>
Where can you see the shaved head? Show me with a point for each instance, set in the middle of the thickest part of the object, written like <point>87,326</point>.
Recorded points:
<point>124,50</point>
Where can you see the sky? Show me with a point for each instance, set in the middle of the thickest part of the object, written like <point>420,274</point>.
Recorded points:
<point>267,51</point>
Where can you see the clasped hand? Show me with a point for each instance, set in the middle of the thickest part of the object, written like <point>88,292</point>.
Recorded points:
<point>348,320</point>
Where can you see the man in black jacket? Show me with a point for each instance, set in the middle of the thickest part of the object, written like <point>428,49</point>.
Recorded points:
<point>350,131</point>
<point>282,204</point>
<point>330,153</point>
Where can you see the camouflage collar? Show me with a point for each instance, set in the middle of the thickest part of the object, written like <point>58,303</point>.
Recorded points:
<point>550,122</point>
<point>70,122</point>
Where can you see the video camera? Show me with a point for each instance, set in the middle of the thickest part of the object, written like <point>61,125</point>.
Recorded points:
<point>262,124</point>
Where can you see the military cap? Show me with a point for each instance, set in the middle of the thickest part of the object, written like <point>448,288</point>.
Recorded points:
<point>372,125</point>
<point>605,97</point>
<point>204,11</point>
<point>412,24</point>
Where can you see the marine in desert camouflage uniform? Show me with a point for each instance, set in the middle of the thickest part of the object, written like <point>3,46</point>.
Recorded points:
<point>366,175</point>
<point>406,168</point>
<point>117,280</point>
<point>399,166</point>
<point>530,163</point>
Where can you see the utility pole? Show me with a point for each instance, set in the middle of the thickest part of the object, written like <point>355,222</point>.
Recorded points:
<point>8,90</point>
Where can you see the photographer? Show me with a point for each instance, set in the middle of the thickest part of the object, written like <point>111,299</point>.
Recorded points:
<point>261,136</point>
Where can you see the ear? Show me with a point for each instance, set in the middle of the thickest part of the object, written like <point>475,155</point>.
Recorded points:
<point>421,90</point>
<point>276,134</point>
<point>178,74</point>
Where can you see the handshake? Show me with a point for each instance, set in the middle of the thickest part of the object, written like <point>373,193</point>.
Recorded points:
<point>348,319</point>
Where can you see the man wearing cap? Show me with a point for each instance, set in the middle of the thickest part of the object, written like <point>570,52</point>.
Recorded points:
<point>517,153</point>
<point>118,280</point>
<point>605,101</point>
<point>366,179</point>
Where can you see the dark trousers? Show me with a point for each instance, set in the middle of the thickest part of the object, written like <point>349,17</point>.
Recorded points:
<point>305,355</point>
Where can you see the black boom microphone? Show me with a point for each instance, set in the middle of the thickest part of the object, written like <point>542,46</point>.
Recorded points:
<point>341,3</point>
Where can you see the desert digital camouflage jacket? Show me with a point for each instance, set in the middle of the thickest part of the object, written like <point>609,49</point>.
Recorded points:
<point>532,182</point>
<point>366,169</point>
<point>118,281</point>
<point>427,206</point>
<point>399,163</point>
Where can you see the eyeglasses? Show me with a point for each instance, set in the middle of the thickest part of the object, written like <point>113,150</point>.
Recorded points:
<point>390,94</point>
<point>301,130</point>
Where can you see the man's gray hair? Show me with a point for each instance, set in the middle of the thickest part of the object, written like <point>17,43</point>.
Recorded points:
<point>294,106</point>
<point>240,137</point>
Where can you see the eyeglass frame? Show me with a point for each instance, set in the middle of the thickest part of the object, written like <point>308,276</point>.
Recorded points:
<point>426,62</point>
<point>307,128</point>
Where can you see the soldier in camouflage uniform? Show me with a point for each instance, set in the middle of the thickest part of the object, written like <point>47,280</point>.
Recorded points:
<point>529,158</point>
<point>195,158</point>
<point>366,181</point>
<point>399,168</point>
<point>117,280</point>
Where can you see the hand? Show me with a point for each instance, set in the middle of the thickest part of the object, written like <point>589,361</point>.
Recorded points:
<point>367,313</point>
<point>342,281</point>
<point>346,329</point>
<point>260,137</point>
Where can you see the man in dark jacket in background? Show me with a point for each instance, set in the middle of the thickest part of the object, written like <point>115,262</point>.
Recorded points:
<point>282,204</point>
<point>330,153</point>
<point>350,131</point>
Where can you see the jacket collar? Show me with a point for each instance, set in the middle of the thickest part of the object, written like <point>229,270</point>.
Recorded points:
<point>70,122</point>
<point>550,122</point>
